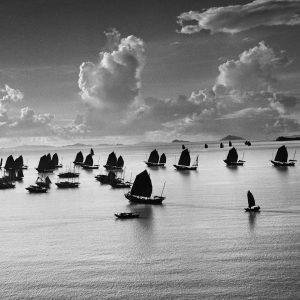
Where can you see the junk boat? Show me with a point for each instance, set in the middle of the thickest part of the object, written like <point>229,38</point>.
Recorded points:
<point>155,161</point>
<point>89,162</point>
<point>232,158</point>
<point>127,215</point>
<point>281,158</point>
<point>185,160</point>
<point>114,163</point>
<point>251,203</point>
<point>141,190</point>
<point>36,189</point>
<point>78,159</point>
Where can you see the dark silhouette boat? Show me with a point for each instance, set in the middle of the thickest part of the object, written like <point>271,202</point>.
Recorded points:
<point>205,146</point>
<point>36,189</point>
<point>45,164</point>
<point>114,163</point>
<point>232,158</point>
<point>67,184</point>
<point>43,182</point>
<point>185,161</point>
<point>120,183</point>
<point>78,159</point>
<point>68,174</point>
<point>106,178</point>
<point>55,161</point>
<point>127,215</point>
<point>155,161</point>
<point>251,203</point>
<point>281,158</point>
<point>6,183</point>
<point>221,145</point>
<point>41,185</point>
<point>13,169</point>
<point>141,191</point>
<point>89,162</point>
<point>230,144</point>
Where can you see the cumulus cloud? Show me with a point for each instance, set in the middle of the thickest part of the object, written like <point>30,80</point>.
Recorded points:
<point>27,123</point>
<point>253,70</point>
<point>243,101</point>
<point>114,81</point>
<point>236,18</point>
<point>9,95</point>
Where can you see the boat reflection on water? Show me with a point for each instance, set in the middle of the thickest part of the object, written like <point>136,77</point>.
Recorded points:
<point>252,219</point>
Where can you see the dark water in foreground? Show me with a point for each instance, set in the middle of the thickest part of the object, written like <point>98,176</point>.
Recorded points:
<point>199,245</point>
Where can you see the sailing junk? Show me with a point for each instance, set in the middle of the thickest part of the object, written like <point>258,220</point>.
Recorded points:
<point>78,159</point>
<point>185,161</point>
<point>221,145</point>
<point>141,190</point>
<point>232,158</point>
<point>106,179</point>
<point>155,161</point>
<point>45,164</point>
<point>251,203</point>
<point>113,163</point>
<point>89,163</point>
<point>281,158</point>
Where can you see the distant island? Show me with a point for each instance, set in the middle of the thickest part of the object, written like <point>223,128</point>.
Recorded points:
<point>288,138</point>
<point>231,137</point>
<point>180,141</point>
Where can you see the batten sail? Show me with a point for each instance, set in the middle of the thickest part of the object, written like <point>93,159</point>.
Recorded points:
<point>142,185</point>
<point>153,157</point>
<point>282,154</point>
<point>185,158</point>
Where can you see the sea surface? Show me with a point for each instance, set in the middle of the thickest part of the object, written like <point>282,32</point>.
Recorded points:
<point>200,244</point>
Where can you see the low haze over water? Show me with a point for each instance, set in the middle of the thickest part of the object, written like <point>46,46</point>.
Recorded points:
<point>67,244</point>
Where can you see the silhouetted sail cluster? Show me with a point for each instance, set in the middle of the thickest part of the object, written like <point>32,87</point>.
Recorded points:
<point>112,159</point>
<point>251,201</point>
<point>185,158</point>
<point>142,185</point>
<point>55,160</point>
<point>48,163</point>
<point>79,158</point>
<point>153,157</point>
<point>14,168</point>
<point>232,155</point>
<point>163,159</point>
<point>282,154</point>
<point>10,163</point>
<point>89,160</point>
<point>221,145</point>
<point>229,144</point>
<point>120,162</point>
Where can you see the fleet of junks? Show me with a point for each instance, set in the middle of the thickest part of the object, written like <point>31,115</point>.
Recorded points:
<point>141,188</point>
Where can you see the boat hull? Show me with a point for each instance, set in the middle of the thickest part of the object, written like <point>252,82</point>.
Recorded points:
<point>185,168</point>
<point>68,185</point>
<point>36,189</point>
<point>113,168</point>
<point>144,200</point>
<point>230,163</point>
<point>86,167</point>
<point>152,164</point>
<point>127,216</point>
<point>253,208</point>
<point>45,170</point>
<point>68,175</point>
<point>283,164</point>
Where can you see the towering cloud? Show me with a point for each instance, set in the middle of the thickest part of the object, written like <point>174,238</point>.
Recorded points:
<point>237,18</point>
<point>114,81</point>
<point>8,94</point>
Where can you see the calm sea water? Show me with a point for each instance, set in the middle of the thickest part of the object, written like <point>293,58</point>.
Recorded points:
<point>200,244</point>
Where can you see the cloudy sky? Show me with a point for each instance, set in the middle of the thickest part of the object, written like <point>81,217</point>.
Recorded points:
<point>137,70</point>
